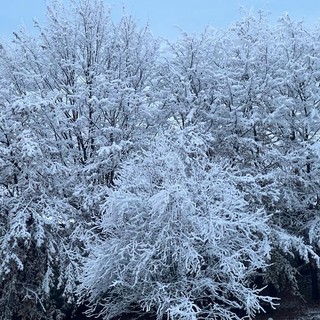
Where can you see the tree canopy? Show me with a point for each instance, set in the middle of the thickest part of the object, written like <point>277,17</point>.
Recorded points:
<point>164,182</point>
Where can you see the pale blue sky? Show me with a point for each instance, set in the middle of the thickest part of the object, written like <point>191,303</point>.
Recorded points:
<point>164,15</point>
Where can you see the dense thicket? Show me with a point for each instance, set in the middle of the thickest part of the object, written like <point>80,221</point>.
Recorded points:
<point>135,181</point>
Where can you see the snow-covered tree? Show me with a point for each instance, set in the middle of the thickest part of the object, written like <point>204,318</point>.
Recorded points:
<point>178,239</point>
<point>93,78</point>
<point>38,247</point>
<point>251,92</point>
<point>74,103</point>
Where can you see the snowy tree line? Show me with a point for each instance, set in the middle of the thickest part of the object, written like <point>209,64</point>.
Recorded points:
<point>137,181</point>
